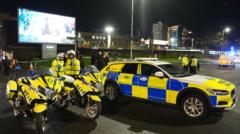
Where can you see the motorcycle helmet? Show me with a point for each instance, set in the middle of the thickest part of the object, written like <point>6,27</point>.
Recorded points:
<point>60,55</point>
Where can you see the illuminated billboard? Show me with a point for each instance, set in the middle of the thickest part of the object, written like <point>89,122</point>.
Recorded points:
<point>38,27</point>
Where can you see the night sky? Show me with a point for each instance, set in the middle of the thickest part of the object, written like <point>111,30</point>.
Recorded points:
<point>202,16</point>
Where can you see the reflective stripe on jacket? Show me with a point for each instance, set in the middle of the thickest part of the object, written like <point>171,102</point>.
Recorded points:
<point>57,68</point>
<point>72,67</point>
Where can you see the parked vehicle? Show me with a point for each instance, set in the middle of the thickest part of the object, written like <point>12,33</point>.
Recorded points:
<point>83,91</point>
<point>31,97</point>
<point>226,61</point>
<point>162,82</point>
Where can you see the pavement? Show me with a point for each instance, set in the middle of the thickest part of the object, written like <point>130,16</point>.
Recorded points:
<point>129,117</point>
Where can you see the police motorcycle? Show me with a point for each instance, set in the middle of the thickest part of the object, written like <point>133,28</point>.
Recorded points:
<point>83,91</point>
<point>31,97</point>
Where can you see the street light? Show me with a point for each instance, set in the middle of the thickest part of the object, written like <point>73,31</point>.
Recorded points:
<point>132,22</point>
<point>109,30</point>
<point>225,30</point>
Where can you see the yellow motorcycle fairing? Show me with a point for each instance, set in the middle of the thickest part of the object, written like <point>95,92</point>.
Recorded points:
<point>39,108</point>
<point>31,94</point>
<point>98,76</point>
<point>88,78</point>
<point>83,88</point>
<point>48,82</point>
<point>11,89</point>
<point>68,89</point>
<point>94,78</point>
<point>95,98</point>
<point>23,81</point>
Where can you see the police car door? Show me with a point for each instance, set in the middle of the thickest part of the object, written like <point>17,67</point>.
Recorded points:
<point>155,86</point>
<point>127,78</point>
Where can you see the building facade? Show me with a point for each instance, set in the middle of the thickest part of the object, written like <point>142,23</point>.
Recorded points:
<point>160,31</point>
<point>7,34</point>
<point>5,25</point>
<point>99,40</point>
<point>180,36</point>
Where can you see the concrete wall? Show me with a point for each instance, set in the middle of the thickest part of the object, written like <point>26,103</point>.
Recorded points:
<point>49,51</point>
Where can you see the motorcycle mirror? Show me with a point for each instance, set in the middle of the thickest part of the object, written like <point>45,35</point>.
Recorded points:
<point>62,78</point>
<point>94,69</point>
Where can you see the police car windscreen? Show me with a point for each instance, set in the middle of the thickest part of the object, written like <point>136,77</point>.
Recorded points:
<point>174,70</point>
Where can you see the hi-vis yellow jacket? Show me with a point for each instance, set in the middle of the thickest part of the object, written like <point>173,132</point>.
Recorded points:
<point>72,67</point>
<point>185,61</point>
<point>194,62</point>
<point>57,68</point>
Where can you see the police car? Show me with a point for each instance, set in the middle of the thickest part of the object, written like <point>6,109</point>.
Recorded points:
<point>225,60</point>
<point>162,82</point>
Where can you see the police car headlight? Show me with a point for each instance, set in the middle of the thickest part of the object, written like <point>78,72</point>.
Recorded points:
<point>218,92</point>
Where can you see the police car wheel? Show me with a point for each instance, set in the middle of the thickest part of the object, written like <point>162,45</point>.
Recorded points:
<point>111,92</point>
<point>194,106</point>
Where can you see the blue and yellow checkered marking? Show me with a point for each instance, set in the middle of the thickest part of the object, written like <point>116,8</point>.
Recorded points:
<point>156,89</point>
<point>143,83</point>
<point>176,85</point>
<point>157,94</point>
<point>135,80</point>
<point>126,89</point>
<point>113,76</point>
<point>213,100</point>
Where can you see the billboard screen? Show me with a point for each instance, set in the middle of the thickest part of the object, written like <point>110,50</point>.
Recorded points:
<point>38,27</point>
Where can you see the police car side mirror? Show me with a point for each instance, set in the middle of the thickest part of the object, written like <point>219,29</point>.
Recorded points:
<point>159,74</point>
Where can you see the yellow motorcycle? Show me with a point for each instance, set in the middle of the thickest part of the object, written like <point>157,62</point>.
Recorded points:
<point>83,91</point>
<point>31,97</point>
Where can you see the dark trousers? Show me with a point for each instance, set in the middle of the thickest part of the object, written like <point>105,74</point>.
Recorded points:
<point>185,68</point>
<point>193,70</point>
<point>6,71</point>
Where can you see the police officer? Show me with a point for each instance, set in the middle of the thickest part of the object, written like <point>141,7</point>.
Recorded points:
<point>58,65</point>
<point>194,65</point>
<point>72,65</point>
<point>6,66</point>
<point>185,62</point>
<point>82,65</point>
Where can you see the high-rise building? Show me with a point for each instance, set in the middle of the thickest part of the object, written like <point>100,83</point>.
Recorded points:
<point>174,36</point>
<point>179,36</point>
<point>160,31</point>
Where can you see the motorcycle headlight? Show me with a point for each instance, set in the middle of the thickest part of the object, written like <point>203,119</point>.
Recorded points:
<point>218,92</point>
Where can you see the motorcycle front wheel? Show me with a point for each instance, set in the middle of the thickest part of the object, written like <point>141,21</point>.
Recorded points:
<point>40,123</point>
<point>93,109</point>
